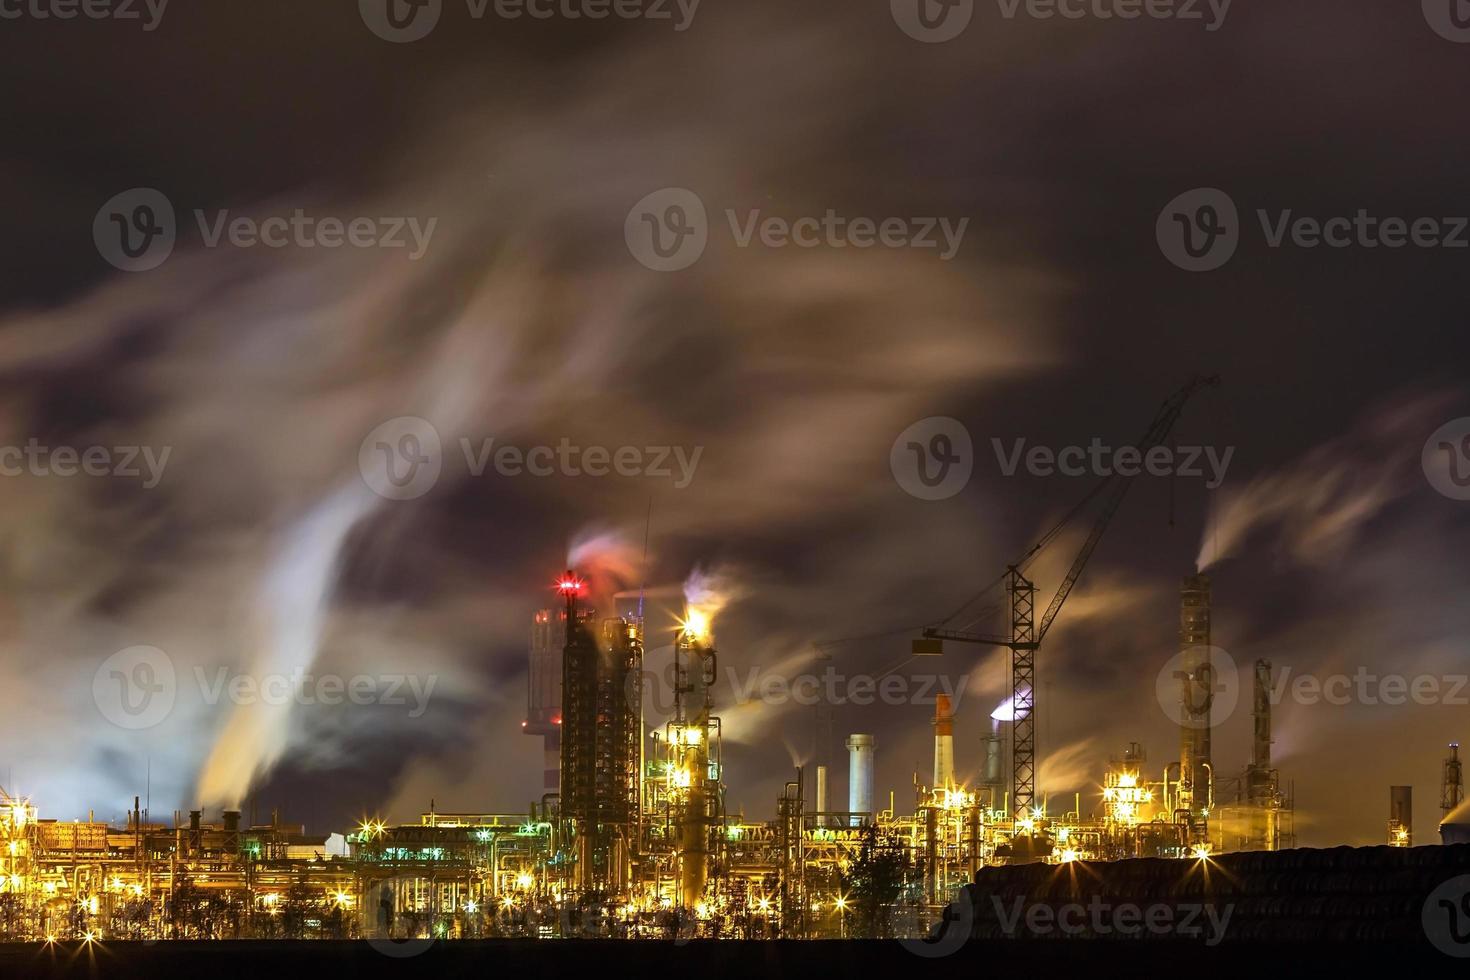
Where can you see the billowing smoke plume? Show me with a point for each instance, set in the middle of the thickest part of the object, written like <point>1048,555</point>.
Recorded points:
<point>286,632</point>
<point>1318,504</point>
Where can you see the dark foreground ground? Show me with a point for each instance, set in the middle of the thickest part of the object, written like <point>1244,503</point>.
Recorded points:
<point>759,961</point>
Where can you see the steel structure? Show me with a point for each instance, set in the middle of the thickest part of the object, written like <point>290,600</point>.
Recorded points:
<point>1026,633</point>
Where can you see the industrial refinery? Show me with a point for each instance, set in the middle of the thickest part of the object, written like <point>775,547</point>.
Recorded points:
<point>632,837</point>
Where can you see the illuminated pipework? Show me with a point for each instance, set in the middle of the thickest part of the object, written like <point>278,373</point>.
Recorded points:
<point>694,794</point>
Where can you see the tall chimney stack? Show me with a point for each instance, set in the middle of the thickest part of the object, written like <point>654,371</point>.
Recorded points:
<point>943,743</point>
<point>1197,680</point>
<point>860,777</point>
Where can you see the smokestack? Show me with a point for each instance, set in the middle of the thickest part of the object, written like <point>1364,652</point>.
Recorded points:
<point>860,777</point>
<point>943,743</point>
<point>1401,816</point>
<point>1197,677</point>
<point>1452,786</point>
<point>1261,749</point>
<point>821,795</point>
<point>993,763</point>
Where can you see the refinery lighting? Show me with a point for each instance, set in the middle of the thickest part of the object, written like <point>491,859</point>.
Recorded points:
<point>695,626</point>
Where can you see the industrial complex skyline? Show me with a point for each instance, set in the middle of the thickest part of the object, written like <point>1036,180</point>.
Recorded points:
<point>423,423</point>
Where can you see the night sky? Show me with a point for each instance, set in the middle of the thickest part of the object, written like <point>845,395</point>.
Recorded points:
<point>528,319</point>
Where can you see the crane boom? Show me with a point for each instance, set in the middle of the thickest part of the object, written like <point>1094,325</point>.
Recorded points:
<point>1158,431</point>
<point>1026,632</point>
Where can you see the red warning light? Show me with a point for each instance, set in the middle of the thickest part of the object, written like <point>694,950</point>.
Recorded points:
<point>569,584</point>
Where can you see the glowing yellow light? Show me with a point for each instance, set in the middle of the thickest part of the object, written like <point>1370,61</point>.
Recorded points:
<point>1068,856</point>
<point>1202,851</point>
<point>841,903</point>
<point>269,900</point>
<point>471,907</point>
<point>702,910</point>
<point>696,626</point>
<point>507,902</point>
<point>524,881</point>
<point>765,904</point>
<point>342,899</point>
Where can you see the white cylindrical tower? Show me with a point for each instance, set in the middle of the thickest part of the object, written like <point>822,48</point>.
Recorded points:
<point>860,777</point>
<point>821,795</point>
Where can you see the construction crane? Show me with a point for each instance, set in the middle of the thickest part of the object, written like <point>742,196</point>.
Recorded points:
<point>1026,633</point>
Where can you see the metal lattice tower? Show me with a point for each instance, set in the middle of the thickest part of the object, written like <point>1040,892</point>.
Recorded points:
<point>1023,692</point>
<point>1452,786</point>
